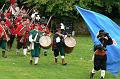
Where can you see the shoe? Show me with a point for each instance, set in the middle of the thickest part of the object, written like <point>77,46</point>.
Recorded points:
<point>5,56</point>
<point>35,64</point>
<point>64,64</point>
<point>31,62</point>
<point>45,53</point>
<point>8,50</point>
<point>91,75</point>
<point>101,78</point>
<point>18,53</point>
<point>3,53</point>
<point>55,61</point>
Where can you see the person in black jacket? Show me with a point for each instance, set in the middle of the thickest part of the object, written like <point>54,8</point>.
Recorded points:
<point>58,45</point>
<point>100,56</point>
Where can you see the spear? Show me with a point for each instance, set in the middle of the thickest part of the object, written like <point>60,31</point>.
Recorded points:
<point>30,11</point>
<point>50,19</point>
<point>27,11</point>
<point>2,8</point>
<point>19,12</point>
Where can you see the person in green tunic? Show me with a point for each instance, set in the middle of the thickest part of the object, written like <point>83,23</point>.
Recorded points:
<point>34,37</point>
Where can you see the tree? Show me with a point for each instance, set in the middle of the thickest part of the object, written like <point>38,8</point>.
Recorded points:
<point>7,4</point>
<point>2,2</point>
<point>67,7</point>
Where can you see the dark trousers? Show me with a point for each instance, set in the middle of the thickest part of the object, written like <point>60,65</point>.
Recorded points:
<point>100,62</point>
<point>10,42</point>
<point>21,44</point>
<point>59,50</point>
<point>2,43</point>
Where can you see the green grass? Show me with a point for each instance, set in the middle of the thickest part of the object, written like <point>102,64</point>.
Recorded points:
<point>79,64</point>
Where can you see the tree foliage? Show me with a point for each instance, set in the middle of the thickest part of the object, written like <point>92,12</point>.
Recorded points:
<point>59,7</point>
<point>67,7</point>
<point>2,2</point>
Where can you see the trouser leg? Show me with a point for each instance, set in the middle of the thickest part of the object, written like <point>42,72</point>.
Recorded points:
<point>56,53</point>
<point>45,52</point>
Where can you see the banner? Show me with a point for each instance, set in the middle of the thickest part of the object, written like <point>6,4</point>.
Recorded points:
<point>96,22</point>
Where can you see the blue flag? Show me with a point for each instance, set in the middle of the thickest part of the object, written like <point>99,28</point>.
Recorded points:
<point>96,22</point>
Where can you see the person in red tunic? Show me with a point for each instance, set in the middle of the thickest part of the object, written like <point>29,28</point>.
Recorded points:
<point>10,25</point>
<point>3,37</point>
<point>22,32</point>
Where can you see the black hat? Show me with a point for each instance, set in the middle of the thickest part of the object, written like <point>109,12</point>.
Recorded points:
<point>101,30</point>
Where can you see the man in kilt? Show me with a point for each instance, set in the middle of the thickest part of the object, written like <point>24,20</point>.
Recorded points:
<point>100,56</point>
<point>34,37</point>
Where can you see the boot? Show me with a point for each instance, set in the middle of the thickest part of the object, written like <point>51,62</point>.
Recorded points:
<point>3,54</point>
<point>18,52</point>
<point>31,62</point>
<point>63,62</point>
<point>91,75</point>
<point>101,78</point>
<point>55,60</point>
<point>45,53</point>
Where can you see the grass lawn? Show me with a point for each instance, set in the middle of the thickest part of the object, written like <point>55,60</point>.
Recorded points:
<point>78,67</point>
